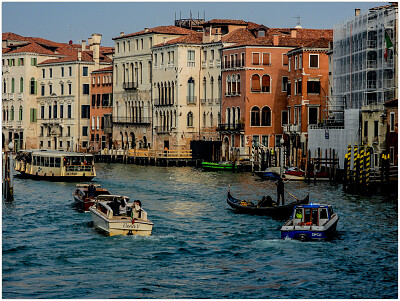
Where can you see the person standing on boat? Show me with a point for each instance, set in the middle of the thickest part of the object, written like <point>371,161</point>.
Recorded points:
<point>91,190</point>
<point>122,207</point>
<point>280,189</point>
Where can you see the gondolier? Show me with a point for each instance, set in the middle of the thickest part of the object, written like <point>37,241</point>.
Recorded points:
<point>280,188</point>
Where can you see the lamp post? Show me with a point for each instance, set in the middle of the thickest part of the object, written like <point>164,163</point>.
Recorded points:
<point>281,155</point>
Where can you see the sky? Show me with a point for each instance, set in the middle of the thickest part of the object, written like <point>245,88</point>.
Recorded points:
<point>76,21</point>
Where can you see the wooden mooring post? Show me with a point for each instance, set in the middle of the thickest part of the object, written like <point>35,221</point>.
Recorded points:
<point>8,188</point>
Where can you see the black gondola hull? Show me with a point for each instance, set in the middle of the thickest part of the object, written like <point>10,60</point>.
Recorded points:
<point>281,212</point>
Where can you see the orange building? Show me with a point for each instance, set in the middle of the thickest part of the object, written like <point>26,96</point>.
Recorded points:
<point>308,85</point>
<point>254,84</point>
<point>101,109</point>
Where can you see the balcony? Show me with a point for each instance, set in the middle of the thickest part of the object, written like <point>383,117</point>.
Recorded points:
<point>163,103</point>
<point>5,69</point>
<point>292,128</point>
<point>230,128</point>
<point>217,100</point>
<point>20,96</point>
<point>218,63</point>
<point>233,64</point>
<point>210,101</point>
<point>203,64</point>
<point>18,123</point>
<point>130,85</point>
<point>161,129</point>
<point>49,120</point>
<point>132,120</point>
<point>211,63</point>
<point>191,99</point>
<point>203,100</point>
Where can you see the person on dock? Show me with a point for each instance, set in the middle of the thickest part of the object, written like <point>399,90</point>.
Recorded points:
<point>280,189</point>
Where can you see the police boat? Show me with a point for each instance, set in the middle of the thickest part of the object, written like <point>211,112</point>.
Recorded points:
<point>311,222</point>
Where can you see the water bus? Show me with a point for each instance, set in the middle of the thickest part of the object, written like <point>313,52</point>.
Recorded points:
<point>55,165</point>
<point>108,218</point>
<point>311,222</point>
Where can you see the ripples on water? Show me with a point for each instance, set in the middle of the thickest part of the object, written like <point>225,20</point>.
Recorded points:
<point>199,248</point>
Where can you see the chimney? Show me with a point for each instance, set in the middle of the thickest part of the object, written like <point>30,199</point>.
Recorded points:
<point>83,45</point>
<point>357,11</point>
<point>293,32</point>
<point>146,29</point>
<point>96,39</point>
<point>275,40</point>
<point>90,44</point>
<point>122,33</point>
<point>79,55</point>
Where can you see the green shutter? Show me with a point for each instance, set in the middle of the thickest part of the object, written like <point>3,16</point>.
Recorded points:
<point>12,85</point>
<point>35,87</point>
<point>34,115</point>
<point>21,85</point>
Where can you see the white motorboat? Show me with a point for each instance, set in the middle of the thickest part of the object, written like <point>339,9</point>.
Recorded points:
<point>108,219</point>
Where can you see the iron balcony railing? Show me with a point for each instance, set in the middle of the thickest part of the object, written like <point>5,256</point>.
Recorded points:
<point>230,127</point>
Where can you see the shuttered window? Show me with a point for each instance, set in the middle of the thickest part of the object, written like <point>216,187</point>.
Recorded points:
<point>255,83</point>
<point>285,60</point>
<point>266,59</point>
<point>256,58</point>
<point>314,61</point>
<point>266,82</point>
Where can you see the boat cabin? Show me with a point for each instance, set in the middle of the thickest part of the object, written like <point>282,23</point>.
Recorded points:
<point>312,215</point>
<point>82,191</point>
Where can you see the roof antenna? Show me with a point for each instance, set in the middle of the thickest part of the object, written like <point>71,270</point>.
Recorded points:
<point>298,21</point>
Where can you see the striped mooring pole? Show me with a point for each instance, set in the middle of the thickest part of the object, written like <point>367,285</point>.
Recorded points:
<point>349,163</point>
<point>252,157</point>
<point>361,164</point>
<point>355,164</point>
<point>367,166</point>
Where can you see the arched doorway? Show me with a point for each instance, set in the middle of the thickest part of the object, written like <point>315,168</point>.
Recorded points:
<point>133,144</point>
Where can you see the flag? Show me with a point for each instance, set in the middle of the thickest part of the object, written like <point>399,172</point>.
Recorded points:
<point>389,44</point>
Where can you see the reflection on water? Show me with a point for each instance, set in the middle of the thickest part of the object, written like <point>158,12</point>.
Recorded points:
<point>200,247</point>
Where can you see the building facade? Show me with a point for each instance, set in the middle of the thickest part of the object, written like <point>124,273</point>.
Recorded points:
<point>101,109</point>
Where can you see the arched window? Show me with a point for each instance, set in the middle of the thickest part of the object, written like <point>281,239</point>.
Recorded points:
<point>255,83</point>
<point>55,110</point>
<point>4,86</point>
<point>238,83</point>
<point>212,88</point>
<point>211,120</point>
<point>12,113</point>
<point>116,74</point>
<point>233,116</point>
<point>169,93</point>
<point>255,117</point>
<point>172,93</point>
<point>190,95</point>
<point>266,116</point>
<point>190,119</point>
<point>159,93</point>
<point>205,89</point>
<point>20,113</point>
<point>204,119</point>
<point>32,86</point>
<point>13,85</point>
<point>228,85</point>
<point>238,113</point>
<point>228,116</point>
<point>219,87</point>
<point>233,84</point>
<point>21,85</point>
<point>266,83</point>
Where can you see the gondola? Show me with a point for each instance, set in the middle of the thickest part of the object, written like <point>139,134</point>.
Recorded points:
<point>283,211</point>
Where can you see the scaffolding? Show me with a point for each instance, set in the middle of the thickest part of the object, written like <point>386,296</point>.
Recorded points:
<point>362,73</point>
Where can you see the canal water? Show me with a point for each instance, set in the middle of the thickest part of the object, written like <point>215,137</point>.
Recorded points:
<point>200,248</point>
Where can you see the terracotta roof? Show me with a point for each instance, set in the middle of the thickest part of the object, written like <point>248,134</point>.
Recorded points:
<point>31,47</point>
<point>12,36</point>
<point>238,36</point>
<point>319,43</point>
<point>159,29</point>
<point>193,38</point>
<point>106,69</point>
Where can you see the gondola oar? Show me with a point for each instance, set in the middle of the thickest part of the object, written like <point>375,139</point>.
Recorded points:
<point>291,195</point>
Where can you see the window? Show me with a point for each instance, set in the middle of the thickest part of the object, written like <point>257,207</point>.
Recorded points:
<point>312,115</point>
<point>300,61</point>
<point>278,140</point>
<point>295,87</point>
<point>84,131</point>
<point>256,58</point>
<point>295,62</point>
<point>85,111</point>
<point>285,60</point>
<point>392,122</point>
<point>191,58</point>
<point>49,112</point>
<point>365,128</point>
<point>284,83</point>
<point>85,89</point>
<point>12,113</point>
<point>255,116</point>
<point>33,115</point>
<point>32,86</point>
<point>43,73</point>
<point>69,111</point>
<point>266,82</point>
<point>256,139</point>
<point>62,71</point>
<point>84,71</point>
<point>55,110</point>
<point>150,42</point>
<point>20,113</point>
<point>314,61</point>
<point>266,59</point>
<point>376,129</point>
<point>20,62</point>
<point>190,96</point>
<point>289,88</point>
<point>261,33</point>
<point>313,86</point>
<point>284,119</point>
<point>33,61</point>
<point>69,89</point>
<point>238,83</point>
<point>70,71</point>
<point>289,64</point>
<point>265,140</point>
<point>42,112</point>
<point>61,111</point>
<point>190,119</point>
<point>21,85</point>
<point>50,89</point>
<point>299,87</point>
<point>51,72</point>
<point>228,85</point>
<point>255,83</point>
<point>266,116</point>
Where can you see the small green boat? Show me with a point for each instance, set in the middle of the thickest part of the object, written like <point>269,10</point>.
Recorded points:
<point>218,166</point>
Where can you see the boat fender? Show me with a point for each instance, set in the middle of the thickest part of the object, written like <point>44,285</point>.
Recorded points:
<point>302,237</point>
